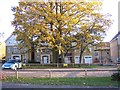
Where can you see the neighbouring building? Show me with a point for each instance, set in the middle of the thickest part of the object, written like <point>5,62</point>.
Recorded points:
<point>115,47</point>
<point>115,43</point>
<point>43,55</point>
<point>2,50</point>
<point>102,53</point>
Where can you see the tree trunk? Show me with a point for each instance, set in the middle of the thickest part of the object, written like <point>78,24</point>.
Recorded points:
<point>55,56</point>
<point>80,58</point>
<point>32,53</point>
<point>62,57</point>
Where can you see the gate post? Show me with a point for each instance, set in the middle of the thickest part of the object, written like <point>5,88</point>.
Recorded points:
<point>50,74</point>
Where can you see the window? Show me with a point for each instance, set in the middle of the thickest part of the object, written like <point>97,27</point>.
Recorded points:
<point>16,57</point>
<point>8,50</point>
<point>90,49</point>
<point>107,52</point>
<point>98,34</point>
<point>70,58</point>
<point>69,54</point>
<point>15,50</point>
<point>76,57</point>
<point>43,50</point>
<point>24,50</point>
<point>96,54</point>
<point>38,50</point>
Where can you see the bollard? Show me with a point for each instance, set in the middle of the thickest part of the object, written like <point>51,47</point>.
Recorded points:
<point>85,72</point>
<point>16,73</point>
<point>50,74</point>
<point>57,65</point>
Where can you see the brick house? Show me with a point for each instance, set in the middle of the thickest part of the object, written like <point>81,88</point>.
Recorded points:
<point>102,54</point>
<point>115,47</point>
<point>13,52</point>
<point>43,56</point>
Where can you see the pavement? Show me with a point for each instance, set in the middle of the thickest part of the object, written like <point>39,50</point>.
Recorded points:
<point>66,72</point>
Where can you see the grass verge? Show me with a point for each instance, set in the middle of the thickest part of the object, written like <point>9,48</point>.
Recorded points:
<point>38,66</point>
<point>89,81</point>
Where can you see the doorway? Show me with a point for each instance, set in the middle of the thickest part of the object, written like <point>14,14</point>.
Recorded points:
<point>45,59</point>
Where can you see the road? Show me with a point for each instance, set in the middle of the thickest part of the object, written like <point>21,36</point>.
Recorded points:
<point>32,86</point>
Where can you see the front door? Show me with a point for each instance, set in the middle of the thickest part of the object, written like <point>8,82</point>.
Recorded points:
<point>88,59</point>
<point>77,59</point>
<point>45,60</point>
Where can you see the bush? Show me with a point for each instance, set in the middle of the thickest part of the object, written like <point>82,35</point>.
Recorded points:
<point>2,77</point>
<point>116,76</point>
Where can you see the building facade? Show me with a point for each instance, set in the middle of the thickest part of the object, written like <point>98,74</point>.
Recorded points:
<point>2,50</point>
<point>115,47</point>
<point>43,55</point>
<point>13,52</point>
<point>102,54</point>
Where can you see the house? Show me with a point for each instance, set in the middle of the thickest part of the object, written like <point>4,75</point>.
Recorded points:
<point>115,47</point>
<point>42,55</point>
<point>2,50</point>
<point>13,52</point>
<point>115,43</point>
<point>102,53</point>
<point>73,56</point>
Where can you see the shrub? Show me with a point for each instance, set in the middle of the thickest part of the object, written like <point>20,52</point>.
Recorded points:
<point>2,77</point>
<point>116,76</point>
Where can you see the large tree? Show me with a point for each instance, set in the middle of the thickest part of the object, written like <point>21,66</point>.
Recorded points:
<point>59,24</point>
<point>92,31</point>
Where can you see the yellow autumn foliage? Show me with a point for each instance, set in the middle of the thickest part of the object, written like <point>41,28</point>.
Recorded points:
<point>56,22</point>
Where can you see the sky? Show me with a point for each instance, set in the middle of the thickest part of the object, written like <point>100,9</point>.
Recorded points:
<point>6,16</point>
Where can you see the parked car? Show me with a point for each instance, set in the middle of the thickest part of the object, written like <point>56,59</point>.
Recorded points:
<point>118,61</point>
<point>12,64</point>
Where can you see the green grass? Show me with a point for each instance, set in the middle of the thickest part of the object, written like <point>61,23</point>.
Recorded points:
<point>95,66</point>
<point>38,67</point>
<point>89,81</point>
<point>69,66</point>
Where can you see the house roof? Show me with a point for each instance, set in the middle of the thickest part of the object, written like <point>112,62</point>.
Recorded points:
<point>8,37</point>
<point>115,36</point>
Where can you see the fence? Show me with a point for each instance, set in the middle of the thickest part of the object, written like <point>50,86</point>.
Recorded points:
<point>56,73</point>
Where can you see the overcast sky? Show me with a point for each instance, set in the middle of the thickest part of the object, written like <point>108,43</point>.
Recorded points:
<point>109,6</point>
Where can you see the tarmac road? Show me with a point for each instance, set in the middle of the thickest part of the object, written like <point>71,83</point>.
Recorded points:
<point>13,86</point>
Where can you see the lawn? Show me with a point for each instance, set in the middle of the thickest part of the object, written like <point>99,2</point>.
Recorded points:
<point>89,81</point>
<point>39,66</point>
